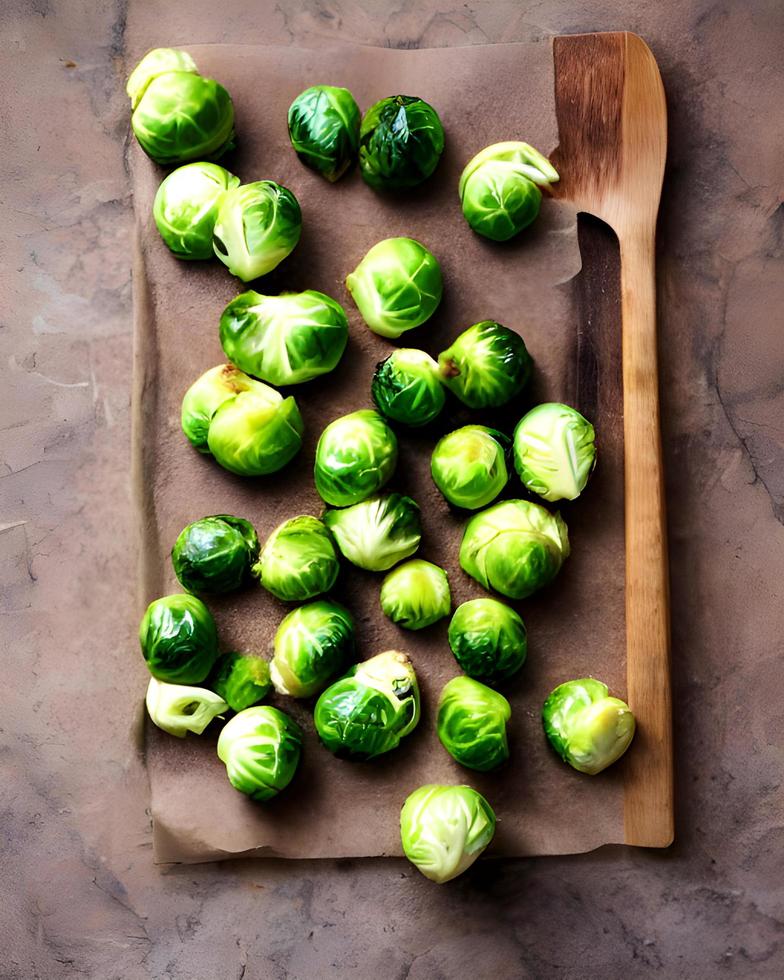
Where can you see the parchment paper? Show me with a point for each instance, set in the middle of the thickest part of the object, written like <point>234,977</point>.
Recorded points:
<point>576,627</point>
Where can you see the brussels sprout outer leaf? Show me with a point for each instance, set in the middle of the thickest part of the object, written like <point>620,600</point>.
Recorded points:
<point>355,457</point>
<point>444,829</point>
<point>157,62</point>
<point>488,639</point>
<point>469,466</point>
<point>400,142</point>
<point>215,554</point>
<point>242,680</point>
<point>486,366</point>
<point>312,643</point>
<point>378,532</point>
<point>298,560</point>
<point>179,640</point>
<point>406,387</point>
<point>324,123</point>
<point>177,709</point>
<point>261,749</point>
<point>471,724</point>
<point>554,451</point>
<point>416,594</point>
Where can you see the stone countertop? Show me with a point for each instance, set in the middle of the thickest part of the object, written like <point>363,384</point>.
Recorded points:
<point>80,895</point>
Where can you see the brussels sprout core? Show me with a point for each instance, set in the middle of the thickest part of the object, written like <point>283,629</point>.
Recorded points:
<point>298,560</point>
<point>178,638</point>
<point>469,466</point>
<point>514,547</point>
<point>472,724</point>
<point>554,451</point>
<point>400,142</point>
<point>377,533</point>
<point>406,387</point>
<point>486,366</point>
<point>324,129</point>
<point>397,286</point>
<point>215,554</point>
<point>242,680</point>
<point>416,594</point>
<point>186,208</point>
<point>261,748</point>
<point>488,639</point>
<point>355,457</point>
<point>312,643</point>
<point>367,712</point>
<point>444,829</point>
<point>178,709</point>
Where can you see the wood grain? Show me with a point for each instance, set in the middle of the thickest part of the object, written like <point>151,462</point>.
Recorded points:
<point>613,130</point>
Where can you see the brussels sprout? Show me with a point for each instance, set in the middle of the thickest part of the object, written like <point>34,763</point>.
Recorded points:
<point>588,729</point>
<point>178,638</point>
<point>285,339</point>
<point>177,709</point>
<point>324,129</point>
<point>258,225</point>
<point>312,643</point>
<point>400,142</point>
<point>416,594</point>
<point>486,366</point>
<point>471,724</point>
<point>554,451</point>
<point>469,466</point>
<point>498,189</point>
<point>248,427</point>
<point>444,829</point>
<point>397,286</point>
<point>241,679</point>
<point>514,547</point>
<point>260,747</point>
<point>406,387</point>
<point>488,639</point>
<point>176,114</point>
<point>186,207</point>
<point>377,533</point>
<point>368,711</point>
<point>355,457</point>
<point>298,560</point>
<point>215,554</point>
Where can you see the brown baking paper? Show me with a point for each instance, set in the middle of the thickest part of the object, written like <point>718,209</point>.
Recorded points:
<point>337,808</point>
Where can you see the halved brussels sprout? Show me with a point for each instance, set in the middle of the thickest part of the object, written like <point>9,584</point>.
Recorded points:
<point>514,547</point>
<point>486,366</point>
<point>248,427</point>
<point>298,560</point>
<point>186,207</point>
<point>488,639</point>
<point>368,711</point>
<point>377,533</point>
<point>588,729</point>
<point>177,709</point>
<point>178,638</point>
<point>355,457</point>
<point>444,829</point>
<point>324,129</point>
<point>215,554</point>
<point>258,225</point>
<point>312,643</point>
<point>471,724</point>
<point>406,387</point>
<point>397,286</point>
<point>176,114</point>
<point>554,451</point>
<point>416,594</point>
<point>469,465</point>
<point>400,142</point>
<point>285,339</point>
<point>260,748</point>
<point>498,189</point>
<point>241,679</point>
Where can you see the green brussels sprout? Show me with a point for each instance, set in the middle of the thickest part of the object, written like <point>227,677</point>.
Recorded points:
<point>241,679</point>
<point>367,712</point>
<point>400,142</point>
<point>260,748</point>
<point>312,643</point>
<point>215,554</point>
<point>469,466</point>
<point>406,387</point>
<point>298,560</point>
<point>324,129</point>
<point>588,729</point>
<point>498,189</point>
<point>514,547</point>
<point>416,594</point>
<point>285,339</point>
<point>471,724</point>
<point>397,286</point>
<point>444,829</point>
<point>378,532</point>
<point>554,451</point>
<point>248,427</point>
<point>488,639</point>
<point>258,225</point>
<point>486,366</point>
<point>179,640</point>
<point>177,709</point>
<point>355,457</point>
<point>186,208</point>
<point>176,114</point>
